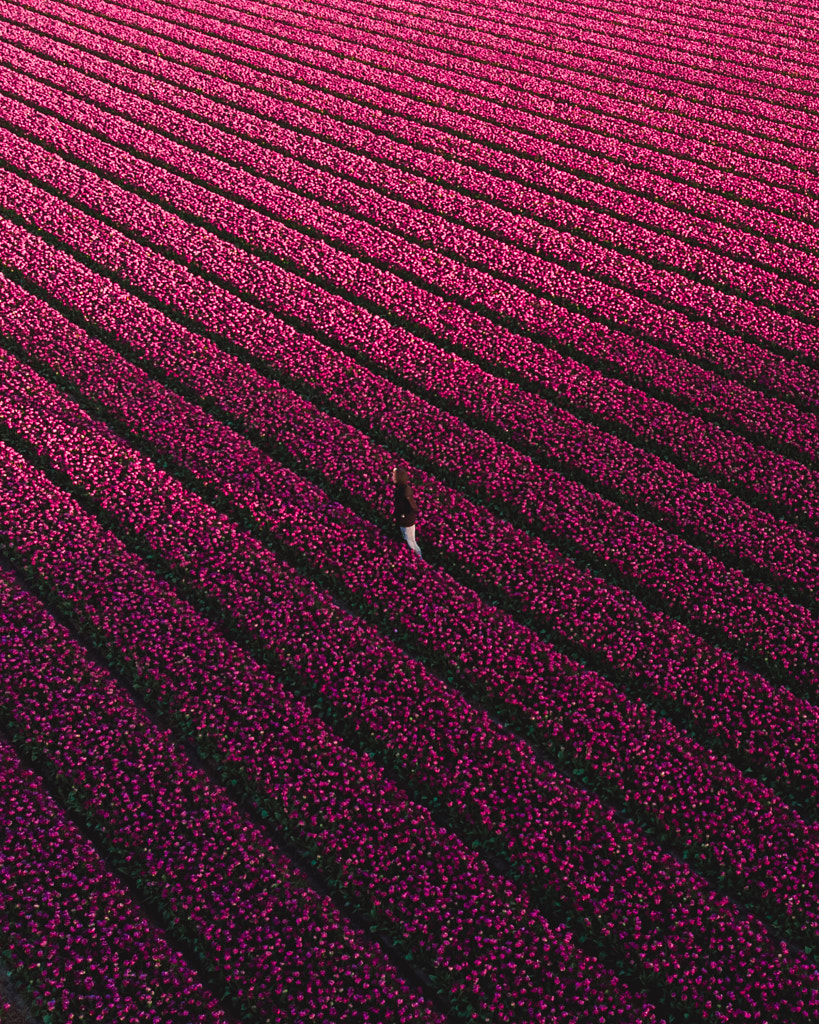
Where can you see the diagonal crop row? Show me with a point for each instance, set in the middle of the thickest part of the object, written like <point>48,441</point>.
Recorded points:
<point>627,750</point>
<point>478,936</point>
<point>717,15</point>
<point>648,53</point>
<point>463,763</point>
<point>778,635</point>
<point>735,712</point>
<point>72,934</point>
<point>466,101</point>
<point>415,753</point>
<point>542,366</point>
<point>582,49</point>
<point>292,105</point>
<point>560,165</point>
<point>426,51</point>
<point>769,43</point>
<point>630,753</point>
<point>583,44</point>
<point>675,499</point>
<point>532,308</point>
<point>703,388</point>
<point>242,580</point>
<point>272,944</point>
<point>315,42</point>
<point>574,22</point>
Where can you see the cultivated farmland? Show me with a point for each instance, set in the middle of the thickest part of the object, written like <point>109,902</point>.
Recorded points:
<point>258,761</point>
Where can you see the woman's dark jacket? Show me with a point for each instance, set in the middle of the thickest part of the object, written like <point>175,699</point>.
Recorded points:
<point>406,507</point>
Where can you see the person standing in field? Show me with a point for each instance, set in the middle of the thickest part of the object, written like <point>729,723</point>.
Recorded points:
<point>406,509</point>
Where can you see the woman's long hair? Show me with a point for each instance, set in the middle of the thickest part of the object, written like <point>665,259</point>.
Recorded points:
<point>401,477</point>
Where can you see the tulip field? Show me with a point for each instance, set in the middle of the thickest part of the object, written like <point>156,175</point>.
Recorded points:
<point>259,762</point>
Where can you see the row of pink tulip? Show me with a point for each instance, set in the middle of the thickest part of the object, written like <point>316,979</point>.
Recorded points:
<point>73,937</point>
<point>311,43</point>
<point>478,936</point>
<point>702,19</point>
<point>434,39</point>
<point>624,898</point>
<point>561,842</point>
<point>558,166</point>
<point>427,46</point>
<point>289,103</point>
<point>600,22</point>
<point>264,936</point>
<point>533,352</point>
<point>426,429</point>
<point>337,544</point>
<point>691,34</point>
<point>753,13</point>
<point>743,530</point>
<point>741,31</point>
<point>630,43</point>
<point>451,754</point>
<point>673,299</point>
<point>464,101</point>
<point>660,369</point>
<point>690,583</point>
<point>604,621</point>
<point>769,478</point>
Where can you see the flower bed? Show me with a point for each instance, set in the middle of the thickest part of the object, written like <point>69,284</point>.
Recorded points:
<point>251,919</point>
<point>476,934</point>
<point>73,935</point>
<point>561,264</point>
<point>451,756</point>
<point>590,613</point>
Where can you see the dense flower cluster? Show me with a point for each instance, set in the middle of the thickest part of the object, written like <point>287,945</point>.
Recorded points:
<point>565,269</point>
<point>578,606</point>
<point>459,759</point>
<point>645,554</point>
<point>238,168</point>
<point>478,935</point>
<point>71,930</point>
<point>239,83</point>
<point>769,477</point>
<point>216,878</point>
<point>437,612</point>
